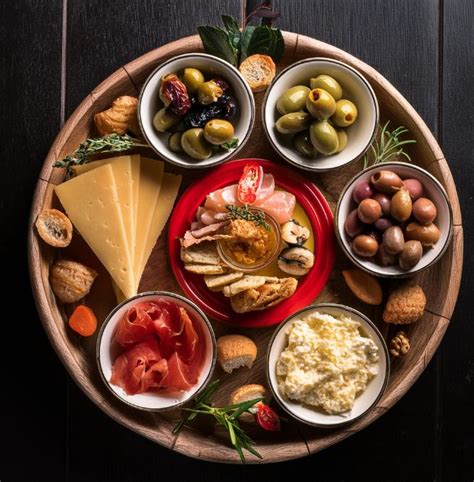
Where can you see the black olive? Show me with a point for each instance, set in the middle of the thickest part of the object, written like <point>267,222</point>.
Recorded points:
<point>221,83</point>
<point>199,115</point>
<point>229,106</point>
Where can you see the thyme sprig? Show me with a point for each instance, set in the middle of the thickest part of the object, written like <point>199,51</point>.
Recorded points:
<point>243,212</point>
<point>226,416</point>
<point>99,145</point>
<point>388,146</point>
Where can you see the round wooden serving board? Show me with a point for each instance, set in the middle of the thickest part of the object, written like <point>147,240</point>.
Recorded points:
<point>440,282</point>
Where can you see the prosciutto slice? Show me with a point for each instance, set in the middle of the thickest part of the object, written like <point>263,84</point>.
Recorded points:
<point>280,205</point>
<point>162,348</point>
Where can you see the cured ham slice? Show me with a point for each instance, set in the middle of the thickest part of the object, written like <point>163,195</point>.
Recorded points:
<point>267,188</point>
<point>280,205</point>
<point>207,217</point>
<point>162,348</point>
<point>130,370</point>
<point>218,200</point>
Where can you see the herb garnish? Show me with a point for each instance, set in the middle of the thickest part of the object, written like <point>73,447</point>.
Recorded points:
<point>232,144</point>
<point>243,212</point>
<point>232,44</point>
<point>226,416</point>
<point>99,145</point>
<point>388,147</point>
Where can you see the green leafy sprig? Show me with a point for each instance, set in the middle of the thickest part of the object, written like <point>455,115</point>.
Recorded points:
<point>232,44</point>
<point>243,212</point>
<point>229,145</point>
<point>388,146</point>
<point>226,416</point>
<point>99,145</point>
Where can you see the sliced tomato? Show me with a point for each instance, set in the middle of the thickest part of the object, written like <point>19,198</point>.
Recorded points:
<point>249,184</point>
<point>267,418</point>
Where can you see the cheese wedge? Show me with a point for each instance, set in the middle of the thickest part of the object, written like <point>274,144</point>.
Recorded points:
<point>93,205</point>
<point>151,175</point>
<point>126,176</point>
<point>164,206</point>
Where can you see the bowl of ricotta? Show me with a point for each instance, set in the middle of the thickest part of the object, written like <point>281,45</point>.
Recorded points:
<point>327,365</point>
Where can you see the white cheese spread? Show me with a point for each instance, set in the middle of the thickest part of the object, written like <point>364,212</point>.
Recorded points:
<point>328,362</point>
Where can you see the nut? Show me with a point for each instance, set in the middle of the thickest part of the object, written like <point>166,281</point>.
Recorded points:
<point>399,344</point>
<point>71,281</point>
<point>174,94</point>
<point>405,304</point>
<point>54,228</point>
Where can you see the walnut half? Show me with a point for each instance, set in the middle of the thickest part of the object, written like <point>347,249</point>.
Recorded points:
<point>399,344</point>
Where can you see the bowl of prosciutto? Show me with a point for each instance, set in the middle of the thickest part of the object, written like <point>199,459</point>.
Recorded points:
<point>156,351</point>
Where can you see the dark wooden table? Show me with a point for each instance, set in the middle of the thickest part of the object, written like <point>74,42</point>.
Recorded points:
<point>52,54</point>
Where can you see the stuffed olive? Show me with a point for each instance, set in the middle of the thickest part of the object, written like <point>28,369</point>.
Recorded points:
<point>218,131</point>
<point>320,104</point>
<point>324,137</point>
<point>195,145</point>
<point>293,122</point>
<point>293,100</point>
<point>328,83</point>
<point>345,113</point>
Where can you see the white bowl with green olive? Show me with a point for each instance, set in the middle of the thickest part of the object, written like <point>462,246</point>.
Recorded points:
<point>196,110</point>
<point>320,114</point>
<point>394,220</point>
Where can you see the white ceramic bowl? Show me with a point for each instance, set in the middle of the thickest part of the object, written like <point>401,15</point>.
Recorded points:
<point>355,88</point>
<point>432,190</point>
<point>107,352</point>
<point>209,65</point>
<point>363,403</point>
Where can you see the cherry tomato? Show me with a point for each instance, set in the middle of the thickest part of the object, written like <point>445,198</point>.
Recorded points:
<point>267,418</point>
<point>250,183</point>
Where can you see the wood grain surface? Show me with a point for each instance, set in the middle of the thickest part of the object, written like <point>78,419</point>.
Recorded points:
<point>405,46</point>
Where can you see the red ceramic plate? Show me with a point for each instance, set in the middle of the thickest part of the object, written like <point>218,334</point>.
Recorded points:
<point>317,209</point>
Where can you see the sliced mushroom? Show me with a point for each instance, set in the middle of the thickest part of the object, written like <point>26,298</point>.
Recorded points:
<point>296,260</point>
<point>293,233</point>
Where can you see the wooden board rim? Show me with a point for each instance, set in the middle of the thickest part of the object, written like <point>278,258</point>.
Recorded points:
<point>191,443</point>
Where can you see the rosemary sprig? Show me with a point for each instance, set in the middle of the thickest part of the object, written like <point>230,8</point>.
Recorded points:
<point>243,212</point>
<point>226,416</point>
<point>388,146</point>
<point>99,145</point>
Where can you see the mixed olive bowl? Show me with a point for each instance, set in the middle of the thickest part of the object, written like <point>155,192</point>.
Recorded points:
<point>433,190</point>
<point>355,88</point>
<point>210,66</point>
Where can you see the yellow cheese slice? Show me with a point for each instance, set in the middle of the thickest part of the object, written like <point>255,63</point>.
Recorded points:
<point>151,174</point>
<point>126,179</point>
<point>169,191</point>
<point>93,205</point>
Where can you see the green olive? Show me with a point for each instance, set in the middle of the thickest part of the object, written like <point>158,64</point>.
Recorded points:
<point>342,138</point>
<point>293,100</point>
<point>194,144</point>
<point>218,131</point>
<point>293,122</point>
<point>209,92</point>
<point>174,142</point>
<point>320,104</point>
<point>324,137</point>
<point>328,83</point>
<point>192,79</point>
<point>345,113</point>
<point>303,145</point>
<point>164,119</point>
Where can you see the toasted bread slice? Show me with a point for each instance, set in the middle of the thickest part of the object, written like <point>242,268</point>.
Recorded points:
<point>244,394</point>
<point>204,253</point>
<point>259,71</point>
<point>235,351</point>
<point>219,281</point>
<point>205,268</point>
<point>246,283</point>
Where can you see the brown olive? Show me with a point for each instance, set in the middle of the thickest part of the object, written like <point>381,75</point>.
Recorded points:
<point>384,202</point>
<point>365,246</point>
<point>386,181</point>
<point>414,187</point>
<point>401,205</point>
<point>353,225</point>
<point>384,258</point>
<point>393,240</point>
<point>362,190</point>
<point>411,255</point>
<point>369,211</point>
<point>424,210</point>
<point>383,223</point>
<point>427,235</point>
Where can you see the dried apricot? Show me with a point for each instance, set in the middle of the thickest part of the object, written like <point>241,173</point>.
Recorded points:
<point>365,286</point>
